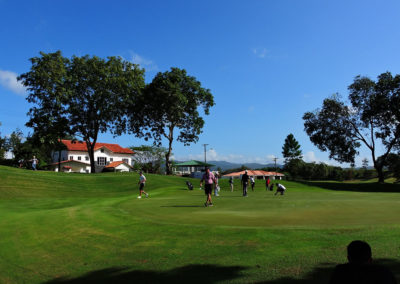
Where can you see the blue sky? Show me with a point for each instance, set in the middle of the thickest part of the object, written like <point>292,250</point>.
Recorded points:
<point>266,62</point>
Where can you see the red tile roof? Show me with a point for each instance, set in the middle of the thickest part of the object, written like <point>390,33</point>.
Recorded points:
<point>81,146</point>
<point>255,173</point>
<point>116,164</point>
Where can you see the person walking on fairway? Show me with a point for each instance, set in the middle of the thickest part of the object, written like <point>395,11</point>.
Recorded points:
<point>141,183</point>
<point>245,181</point>
<point>216,187</point>
<point>209,179</point>
<point>34,163</point>
<point>231,183</point>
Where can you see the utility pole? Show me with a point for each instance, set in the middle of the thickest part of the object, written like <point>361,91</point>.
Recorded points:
<point>205,155</point>
<point>275,159</point>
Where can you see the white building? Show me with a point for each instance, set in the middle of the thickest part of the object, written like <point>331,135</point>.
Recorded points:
<point>75,158</point>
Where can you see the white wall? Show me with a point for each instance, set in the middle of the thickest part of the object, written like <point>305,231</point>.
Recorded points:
<point>65,155</point>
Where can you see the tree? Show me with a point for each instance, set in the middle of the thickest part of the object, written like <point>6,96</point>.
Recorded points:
<point>372,115</point>
<point>48,118</point>
<point>291,149</point>
<point>90,93</point>
<point>3,148</point>
<point>171,102</point>
<point>149,158</point>
<point>14,142</point>
<point>393,163</point>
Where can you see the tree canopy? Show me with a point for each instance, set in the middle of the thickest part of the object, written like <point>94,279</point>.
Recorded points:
<point>291,149</point>
<point>82,96</point>
<point>372,115</point>
<point>171,102</point>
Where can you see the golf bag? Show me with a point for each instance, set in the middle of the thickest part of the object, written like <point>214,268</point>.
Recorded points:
<point>189,185</point>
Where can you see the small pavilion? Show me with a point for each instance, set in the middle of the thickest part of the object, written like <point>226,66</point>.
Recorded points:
<point>191,167</point>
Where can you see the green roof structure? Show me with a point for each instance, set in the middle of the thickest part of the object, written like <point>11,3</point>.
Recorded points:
<point>193,163</point>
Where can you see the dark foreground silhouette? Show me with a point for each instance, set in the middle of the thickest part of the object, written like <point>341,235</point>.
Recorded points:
<point>187,274</point>
<point>207,274</point>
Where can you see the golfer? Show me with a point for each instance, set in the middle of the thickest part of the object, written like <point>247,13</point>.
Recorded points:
<point>245,181</point>
<point>209,179</point>
<point>141,183</point>
<point>231,183</point>
<point>280,189</point>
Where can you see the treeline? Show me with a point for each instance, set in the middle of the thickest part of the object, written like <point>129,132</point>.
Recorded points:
<point>298,169</point>
<point>22,150</point>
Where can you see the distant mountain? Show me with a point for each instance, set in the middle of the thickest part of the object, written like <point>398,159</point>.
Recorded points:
<point>228,165</point>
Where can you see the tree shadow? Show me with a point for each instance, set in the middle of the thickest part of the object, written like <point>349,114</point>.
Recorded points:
<point>356,187</point>
<point>182,206</point>
<point>206,273</point>
<point>322,273</point>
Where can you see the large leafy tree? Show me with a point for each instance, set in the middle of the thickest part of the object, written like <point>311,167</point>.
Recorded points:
<point>47,85</point>
<point>171,103</point>
<point>88,93</point>
<point>372,116</point>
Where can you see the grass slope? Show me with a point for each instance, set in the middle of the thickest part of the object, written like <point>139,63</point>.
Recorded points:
<point>75,228</point>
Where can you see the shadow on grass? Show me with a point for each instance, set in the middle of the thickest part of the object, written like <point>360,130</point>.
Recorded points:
<point>357,187</point>
<point>182,206</point>
<point>187,274</point>
<point>208,274</point>
<point>322,273</point>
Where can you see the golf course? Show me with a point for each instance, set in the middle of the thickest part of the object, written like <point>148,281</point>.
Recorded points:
<point>92,228</point>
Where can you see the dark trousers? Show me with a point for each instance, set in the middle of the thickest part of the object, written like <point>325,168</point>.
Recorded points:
<point>244,188</point>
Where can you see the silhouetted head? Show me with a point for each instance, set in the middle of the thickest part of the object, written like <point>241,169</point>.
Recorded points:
<point>245,171</point>
<point>140,173</point>
<point>359,252</point>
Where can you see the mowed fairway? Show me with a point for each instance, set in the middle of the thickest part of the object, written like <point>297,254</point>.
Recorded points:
<point>75,228</point>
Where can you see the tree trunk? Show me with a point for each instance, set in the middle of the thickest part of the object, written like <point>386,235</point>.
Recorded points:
<point>381,176</point>
<point>90,147</point>
<point>167,156</point>
<point>59,160</point>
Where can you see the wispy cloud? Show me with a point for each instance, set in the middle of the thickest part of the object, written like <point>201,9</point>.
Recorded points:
<point>144,62</point>
<point>212,155</point>
<point>8,80</point>
<point>260,52</point>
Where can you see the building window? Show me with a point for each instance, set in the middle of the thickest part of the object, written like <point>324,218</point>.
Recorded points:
<point>71,157</point>
<point>86,158</point>
<point>101,161</point>
<point>125,161</point>
<point>102,150</point>
<point>111,159</point>
<point>79,158</point>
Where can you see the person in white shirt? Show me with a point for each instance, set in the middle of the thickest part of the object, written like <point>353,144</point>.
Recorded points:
<point>253,183</point>
<point>141,183</point>
<point>280,189</point>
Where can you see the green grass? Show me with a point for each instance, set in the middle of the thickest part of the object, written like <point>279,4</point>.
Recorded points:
<point>77,228</point>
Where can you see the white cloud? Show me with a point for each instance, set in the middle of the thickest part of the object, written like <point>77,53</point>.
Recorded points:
<point>212,155</point>
<point>260,52</point>
<point>9,81</point>
<point>146,63</point>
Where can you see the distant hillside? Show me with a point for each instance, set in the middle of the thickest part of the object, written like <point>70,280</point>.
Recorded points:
<point>227,165</point>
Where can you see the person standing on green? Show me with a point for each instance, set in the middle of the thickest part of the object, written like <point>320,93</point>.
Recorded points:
<point>231,183</point>
<point>245,182</point>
